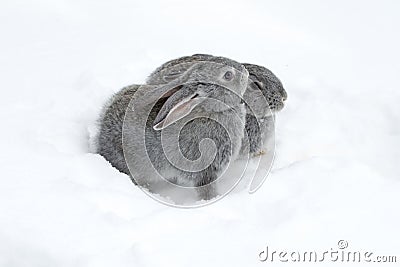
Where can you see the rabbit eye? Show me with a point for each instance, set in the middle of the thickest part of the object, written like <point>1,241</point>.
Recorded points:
<point>228,75</point>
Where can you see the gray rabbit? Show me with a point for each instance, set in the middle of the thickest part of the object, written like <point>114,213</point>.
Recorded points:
<point>186,131</point>
<point>260,114</point>
<point>264,97</point>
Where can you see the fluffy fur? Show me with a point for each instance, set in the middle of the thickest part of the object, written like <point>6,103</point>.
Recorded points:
<point>264,97</point>
<point>177,160</point>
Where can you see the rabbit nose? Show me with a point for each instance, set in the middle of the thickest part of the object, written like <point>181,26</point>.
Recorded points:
<point>284,95</point>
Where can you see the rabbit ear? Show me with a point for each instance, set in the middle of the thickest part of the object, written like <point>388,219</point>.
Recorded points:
<point>171,91</point>
<point>172,76</point>
<point>175,71</point>
<point>150,94</point>
<point>168,116</point>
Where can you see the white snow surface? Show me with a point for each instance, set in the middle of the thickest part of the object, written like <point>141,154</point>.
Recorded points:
<point>335,175</point>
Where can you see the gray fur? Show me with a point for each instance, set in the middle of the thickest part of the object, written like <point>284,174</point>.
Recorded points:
<point>109,138</point>
<point>204,121</point>
<point>260,119</point>
<point>264,97</point>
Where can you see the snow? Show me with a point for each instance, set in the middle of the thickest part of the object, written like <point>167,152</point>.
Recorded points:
<point>335,174</point>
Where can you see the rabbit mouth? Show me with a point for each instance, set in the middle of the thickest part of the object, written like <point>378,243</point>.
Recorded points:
<point>277,107</point>
<point>276,103</point>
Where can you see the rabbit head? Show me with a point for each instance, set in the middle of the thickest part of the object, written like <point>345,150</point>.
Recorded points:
<point>222,80</point>
<point>264,96</point>
<point>264,87</point>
